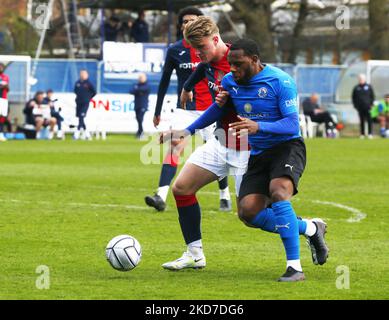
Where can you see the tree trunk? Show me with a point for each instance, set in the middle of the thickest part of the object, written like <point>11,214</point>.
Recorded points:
<point>256,15</point>
<point>297,31</point>
<point>379,29</point>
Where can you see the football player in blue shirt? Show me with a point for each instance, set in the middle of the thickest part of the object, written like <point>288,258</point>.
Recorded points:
<point>265,99</point>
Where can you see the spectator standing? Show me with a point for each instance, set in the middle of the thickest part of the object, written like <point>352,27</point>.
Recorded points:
<point>111,29</point>
<point>141,92</point>
<point>140,28</point>
<point>363,99</point>
<point>84,91</point>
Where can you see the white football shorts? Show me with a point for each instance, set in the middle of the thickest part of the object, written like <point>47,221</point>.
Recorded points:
<point>221,161</point>
<point>181,119</point>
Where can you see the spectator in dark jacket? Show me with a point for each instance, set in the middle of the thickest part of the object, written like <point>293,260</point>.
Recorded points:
<point>363,99</point>
<point>312,109</point>
<point>141,92</point>
<point>140,29</point>
<point>84,91</point>
<point>38,114</point>
<point>111,29</point>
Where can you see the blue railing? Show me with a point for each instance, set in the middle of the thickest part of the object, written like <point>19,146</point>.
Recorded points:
<point>60,76</point>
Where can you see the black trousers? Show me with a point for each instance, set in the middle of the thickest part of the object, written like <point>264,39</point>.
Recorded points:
<point>81,111</point>
<point>140,113</point>
<point>364,116</point>
<point>324,117</point>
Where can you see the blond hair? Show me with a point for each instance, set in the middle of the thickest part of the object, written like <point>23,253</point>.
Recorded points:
<point>200,28</point>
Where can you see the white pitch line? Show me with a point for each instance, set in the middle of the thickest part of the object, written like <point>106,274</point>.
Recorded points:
<point>33,184</point>
<point>94,205</point>
<point>357,216</point>
<point>79,204</point>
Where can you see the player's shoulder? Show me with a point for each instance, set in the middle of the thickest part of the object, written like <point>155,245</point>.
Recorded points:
<point>281,78</point>
<point>277,72</point>
<point>227,81</point>
<point>175,46</point>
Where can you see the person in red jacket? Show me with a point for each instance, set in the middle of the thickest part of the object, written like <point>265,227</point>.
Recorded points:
<point>4,89</point>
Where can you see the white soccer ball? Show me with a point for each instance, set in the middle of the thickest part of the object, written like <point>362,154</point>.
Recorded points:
<point>123,252</point>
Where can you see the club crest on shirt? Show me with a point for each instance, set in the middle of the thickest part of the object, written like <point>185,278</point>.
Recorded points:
<point>248,107</point>
<point>262,92</point>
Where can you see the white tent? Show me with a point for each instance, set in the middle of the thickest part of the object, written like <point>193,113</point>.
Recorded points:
<point>377,74</point>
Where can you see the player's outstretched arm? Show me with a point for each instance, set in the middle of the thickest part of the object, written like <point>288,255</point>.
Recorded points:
<point>211,115</point>
<point>288,125</point>
<point>175,136</point>
<point>168,68</point>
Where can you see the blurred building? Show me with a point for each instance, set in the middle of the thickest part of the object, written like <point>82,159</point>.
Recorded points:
<point>327,36</point>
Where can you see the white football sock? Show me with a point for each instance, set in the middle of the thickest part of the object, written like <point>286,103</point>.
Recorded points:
<point>225,194</point>
<point>295,264</point>
<point>311,228</point>
<point>163,191</point>
<point>195,248</point>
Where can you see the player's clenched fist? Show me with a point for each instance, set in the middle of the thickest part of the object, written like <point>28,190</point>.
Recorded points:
<point>244,127</point>
<point>222,98</point>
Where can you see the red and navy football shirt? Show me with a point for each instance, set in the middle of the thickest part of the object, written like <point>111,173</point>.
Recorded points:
<point>182,58</point>
<point>214,72</point>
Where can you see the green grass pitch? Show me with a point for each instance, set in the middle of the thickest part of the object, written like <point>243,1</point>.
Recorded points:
<point>62,201</point>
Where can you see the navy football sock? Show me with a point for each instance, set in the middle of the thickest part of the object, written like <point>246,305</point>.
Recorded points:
<point>287,226</point>
<point>189,215</point>
<point>169,170</point>
<point>167,174</point>
<point>223,183</point>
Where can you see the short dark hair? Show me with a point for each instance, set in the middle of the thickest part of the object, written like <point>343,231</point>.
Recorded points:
<point>49,91</point>
<point>193,11</point>
<point>249,46</point>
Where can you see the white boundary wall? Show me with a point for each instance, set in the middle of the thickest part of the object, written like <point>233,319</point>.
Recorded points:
<point>115,112</point>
